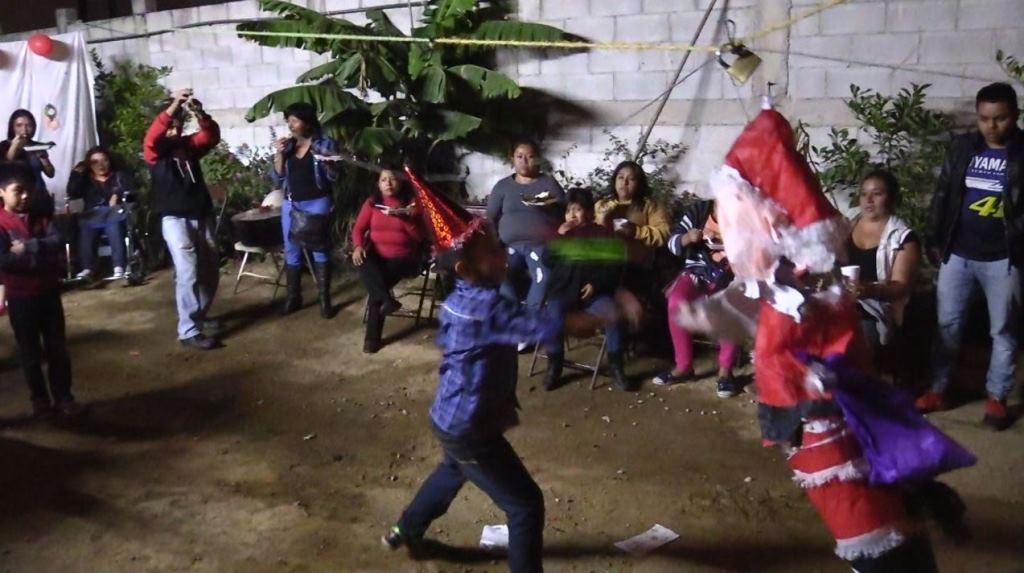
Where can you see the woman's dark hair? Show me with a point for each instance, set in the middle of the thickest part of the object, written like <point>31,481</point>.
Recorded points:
<point>306,113</point>
<point>580,196</point>
<point>999,92</point>
<point>99,149</point>
<point>641,177</point>
<point>404,191</point>
<point>892,186</point>
<point>18,114</point>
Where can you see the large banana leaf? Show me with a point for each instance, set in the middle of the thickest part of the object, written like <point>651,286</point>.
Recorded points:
<point>376,141</point>
<point>505,30</point>
<point>490,83</point>
<point>457,125</point>
<point>434,84</point>
<point>297,20</point>
<point>328,98</point>
<point>341,69</point>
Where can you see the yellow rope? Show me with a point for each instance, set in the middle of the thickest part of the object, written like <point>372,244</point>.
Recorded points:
<point>549,45</point>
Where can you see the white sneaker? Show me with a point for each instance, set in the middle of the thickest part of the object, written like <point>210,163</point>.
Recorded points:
<point>523,347</point>
<point>84,274</point>
<point>118,274</point>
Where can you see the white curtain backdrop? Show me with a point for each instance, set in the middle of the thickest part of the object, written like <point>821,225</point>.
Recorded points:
<point>63,80</point>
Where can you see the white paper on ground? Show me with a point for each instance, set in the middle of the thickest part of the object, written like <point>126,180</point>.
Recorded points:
<point>494,537</point>
<point>648,541</point>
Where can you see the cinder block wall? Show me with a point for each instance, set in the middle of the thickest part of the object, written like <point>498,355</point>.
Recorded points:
<point>877,44</point>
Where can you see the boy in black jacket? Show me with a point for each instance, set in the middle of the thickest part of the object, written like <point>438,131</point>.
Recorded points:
<point>30,248</point>
<point>585,285</point>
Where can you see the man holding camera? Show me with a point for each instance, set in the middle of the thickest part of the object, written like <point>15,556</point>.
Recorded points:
<point>180,198</point>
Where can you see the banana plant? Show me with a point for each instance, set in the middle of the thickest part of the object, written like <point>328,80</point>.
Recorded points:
<point>375,96</point>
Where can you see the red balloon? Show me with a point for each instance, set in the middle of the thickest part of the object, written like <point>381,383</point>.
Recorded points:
<point>40,44</point>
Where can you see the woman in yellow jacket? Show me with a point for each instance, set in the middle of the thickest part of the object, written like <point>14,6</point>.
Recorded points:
<point>631,214</point>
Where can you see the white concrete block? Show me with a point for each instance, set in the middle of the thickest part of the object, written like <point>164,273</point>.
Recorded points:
<point>550,83</point>
<point>653,6</point>
<point>233,77</point>
<point>684,24</point>
<point>201,38</point>
<point>661,61</point>
<point>156,21</point>
<point>946,81</point>
<point>528,10</point>
<point>528,66</point>
<point>218,99</point>
<point>213,12</point>
<point>218,57</point>
<point>612,7</point>
<point>807,83</point>
<point>980,75</point>
<point>645,28</point>
<point>289,72</point>
<point>706,84</point>
<point>178,79</point>
<point>1011,42</point>
<point>630,86</point>
<point>918,16</point>
<point>263,75</point>
<point>246,97</point>
<point>176,41</point>
<point>590,87</point>
<point>957,48</point>
<point>838,80</point>
<point>161,59</point>
<point>857,18</point>
<point>245,54</point>
<point>205,79</point>
<point>185,16</point>
<point>597,29</point>
<point>565,64</point>
<point>186,60</point>
<point>806,27</point>
<point>243,10</point>
<point>562,9</point>
<point>127,25</point>
<point>614,61</point>
<point>990,14</point>
<point>340,5</point>
<point>831,49</point>
<point>884,48</point>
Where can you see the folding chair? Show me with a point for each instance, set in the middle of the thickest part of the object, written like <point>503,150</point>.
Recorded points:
<point>427,288</point>
<point>278,266</point>
<point>594,369</point>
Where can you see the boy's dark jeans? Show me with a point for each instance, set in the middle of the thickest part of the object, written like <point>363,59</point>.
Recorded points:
<point>494,467</point>
<point>38,323</point>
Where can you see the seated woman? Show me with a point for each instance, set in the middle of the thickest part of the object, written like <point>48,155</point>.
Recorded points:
<point>101,189</point>
<point>21,128</point>
<point>388,237</point>
<point>888,254</point>
<point>697,239</point>
<point>585,286</point>
<point>630,213</point>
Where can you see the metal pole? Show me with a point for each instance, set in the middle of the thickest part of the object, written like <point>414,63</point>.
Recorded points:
<point>679,71</point>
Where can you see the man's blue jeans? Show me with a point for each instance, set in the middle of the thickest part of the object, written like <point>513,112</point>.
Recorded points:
<point>526,259</point>
<point>1000,283</point>
<point>495,468</point>
<point>292,252</point>
<point>196,269</point>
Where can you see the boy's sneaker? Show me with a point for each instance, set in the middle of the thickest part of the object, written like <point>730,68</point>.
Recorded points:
<point>997,416</point>
<point>84,274</point>
<point>666,378</point>
<point>200,342</point>
<point>41,409</point>
<point>211,327</point>
<point>931,402</point>
<point>69,408</point>
<point>118,274</point>
<point>728,387</point>
<point>524,347</point>
<point>394,539</point>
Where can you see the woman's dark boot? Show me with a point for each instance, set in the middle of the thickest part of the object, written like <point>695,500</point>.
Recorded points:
<point>616,363</point>
<point>323,282</point>
<point>293,298</point>
<point>555,364</point>
<point>374,328</point>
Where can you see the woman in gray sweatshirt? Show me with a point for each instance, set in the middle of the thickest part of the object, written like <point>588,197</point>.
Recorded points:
<point>527,208</point>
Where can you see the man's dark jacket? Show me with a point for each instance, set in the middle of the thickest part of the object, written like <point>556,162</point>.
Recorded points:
<point>949,195</point>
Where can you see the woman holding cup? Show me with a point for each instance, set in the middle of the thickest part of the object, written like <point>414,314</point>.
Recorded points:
<point>883,258</point>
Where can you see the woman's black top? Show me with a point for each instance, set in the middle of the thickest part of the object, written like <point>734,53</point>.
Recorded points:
<point>302,179</point>
<point>865,259</point>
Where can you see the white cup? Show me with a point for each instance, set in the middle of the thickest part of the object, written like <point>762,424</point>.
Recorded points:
<point>851,273</point>
<point>618,224</point>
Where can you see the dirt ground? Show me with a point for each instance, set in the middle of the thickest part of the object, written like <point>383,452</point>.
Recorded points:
<point>291,451</point>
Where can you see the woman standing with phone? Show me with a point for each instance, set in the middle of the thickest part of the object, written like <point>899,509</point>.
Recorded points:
<point>19,146</point>
<point>306,181</point>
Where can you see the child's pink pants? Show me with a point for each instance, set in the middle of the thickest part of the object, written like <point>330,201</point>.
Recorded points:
<point>685,290</point>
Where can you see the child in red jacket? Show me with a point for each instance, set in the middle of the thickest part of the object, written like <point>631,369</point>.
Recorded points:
<point>30,248</point>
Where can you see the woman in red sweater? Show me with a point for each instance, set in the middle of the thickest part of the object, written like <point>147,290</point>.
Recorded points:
<point>388,237</point>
